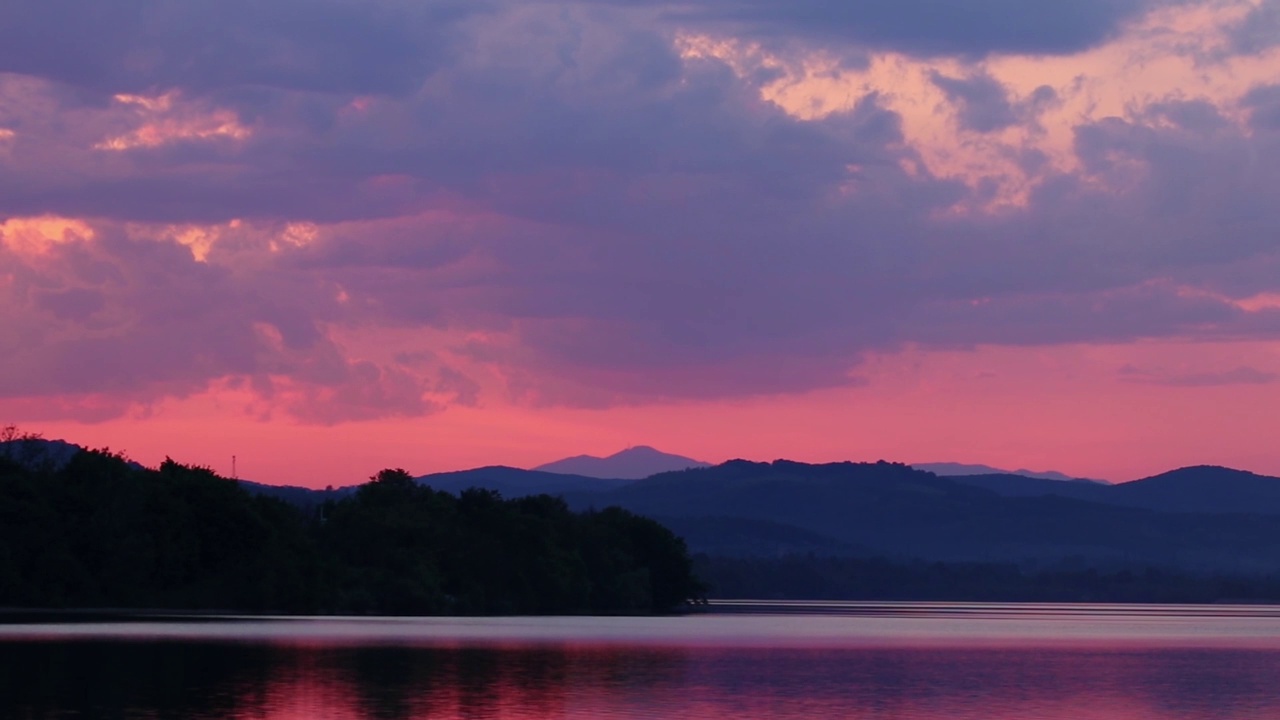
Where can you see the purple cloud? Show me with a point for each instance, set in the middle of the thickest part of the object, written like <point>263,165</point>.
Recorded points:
<point>141,319</point>
<point>928,27</point>
<point>1264,105</point>
<point>140,46</point>
<point>984,105</point>
<point>554,193</point>
<point>1258,31</point>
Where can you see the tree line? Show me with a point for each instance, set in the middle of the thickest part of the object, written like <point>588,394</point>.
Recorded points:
<point>100,532</point>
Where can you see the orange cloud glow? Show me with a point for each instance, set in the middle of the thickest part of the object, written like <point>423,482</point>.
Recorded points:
<point>165,120</point>
<point>1176,52</point>
<point>35,235</point>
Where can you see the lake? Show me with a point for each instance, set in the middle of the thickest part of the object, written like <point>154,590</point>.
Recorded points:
<point>904,661</point>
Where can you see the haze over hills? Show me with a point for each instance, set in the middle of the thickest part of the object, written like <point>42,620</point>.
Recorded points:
<point>1023,486</point>
<point>634,463</point>
<point>951,469</point>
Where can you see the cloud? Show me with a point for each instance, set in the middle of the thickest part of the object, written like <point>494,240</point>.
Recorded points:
<point>1264,105</point>
<point>1257,31</point>
<point>972,28</point>
<point>561,204</point>
<point>984,105</point>
<point>137,46</point>
<point>138,318</point>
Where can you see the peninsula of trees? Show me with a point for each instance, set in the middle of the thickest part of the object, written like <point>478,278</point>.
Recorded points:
<point>98,531</point>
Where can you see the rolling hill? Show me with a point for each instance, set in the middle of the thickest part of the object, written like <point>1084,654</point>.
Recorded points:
<point>894,510</point>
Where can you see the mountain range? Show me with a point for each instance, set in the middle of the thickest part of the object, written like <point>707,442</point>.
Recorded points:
<point>1198,518</point>
<point>1201,518</point>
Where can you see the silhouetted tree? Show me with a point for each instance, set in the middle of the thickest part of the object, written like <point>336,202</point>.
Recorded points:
<point>102,531</point>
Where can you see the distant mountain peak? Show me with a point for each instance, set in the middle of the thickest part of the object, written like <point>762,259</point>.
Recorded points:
<point>633,463</point>
<point>639,450</point>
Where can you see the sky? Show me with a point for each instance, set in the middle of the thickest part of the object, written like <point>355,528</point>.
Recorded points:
<point>333,236</point>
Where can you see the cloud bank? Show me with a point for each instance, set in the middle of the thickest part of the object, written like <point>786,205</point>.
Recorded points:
<point>368,209</point>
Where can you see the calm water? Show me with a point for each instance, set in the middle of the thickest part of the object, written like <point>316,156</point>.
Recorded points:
<point>800,660</point>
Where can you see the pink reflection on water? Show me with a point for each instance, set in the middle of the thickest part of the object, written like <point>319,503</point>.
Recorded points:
<point>907,684</point>
<point>875,662</point>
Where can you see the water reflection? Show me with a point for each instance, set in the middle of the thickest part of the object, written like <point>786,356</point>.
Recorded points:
<point>860,661</point>
<point>112,679</point>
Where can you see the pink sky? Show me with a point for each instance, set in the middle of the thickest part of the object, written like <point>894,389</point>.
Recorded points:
<point>423,236</point>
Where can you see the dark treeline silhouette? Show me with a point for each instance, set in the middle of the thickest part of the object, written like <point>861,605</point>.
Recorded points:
<point>817,577</point>
<point>96,531</point>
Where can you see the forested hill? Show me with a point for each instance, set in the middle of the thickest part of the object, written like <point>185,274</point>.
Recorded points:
<point>98,531</point>
<point>1202,519</point>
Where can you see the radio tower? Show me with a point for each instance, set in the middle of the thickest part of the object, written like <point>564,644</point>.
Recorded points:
<point>233,468</point>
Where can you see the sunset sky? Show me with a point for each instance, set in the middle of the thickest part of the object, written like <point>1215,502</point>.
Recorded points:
<point>332,236</point>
